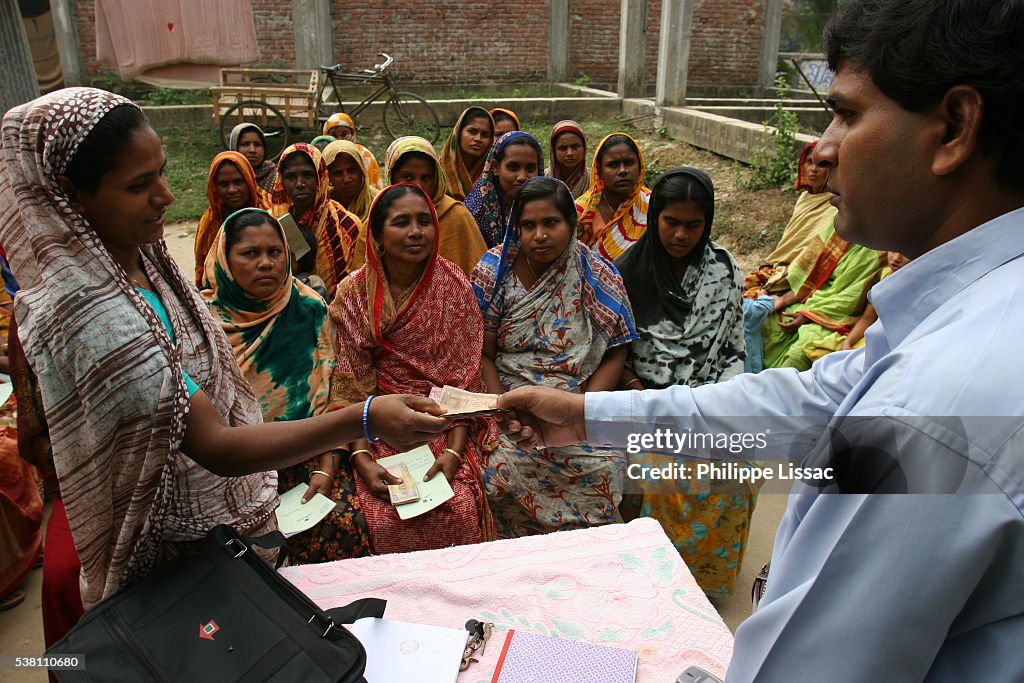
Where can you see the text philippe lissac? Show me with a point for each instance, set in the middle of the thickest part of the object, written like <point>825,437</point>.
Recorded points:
<point>667,441</point>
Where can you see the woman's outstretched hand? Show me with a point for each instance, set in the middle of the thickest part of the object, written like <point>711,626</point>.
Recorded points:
<point>542,417</point>
<point>404,422</point>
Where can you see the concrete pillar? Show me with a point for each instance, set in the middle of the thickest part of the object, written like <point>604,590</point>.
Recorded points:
<point>67,42</point>
<point>15,59</point>
<point>770,43</point>
<point>558,41</point>
<point>674,52</point>
<point>632,47</point>
<point>314,42</point>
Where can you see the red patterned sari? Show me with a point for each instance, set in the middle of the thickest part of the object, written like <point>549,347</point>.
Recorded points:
<point>429,337</point>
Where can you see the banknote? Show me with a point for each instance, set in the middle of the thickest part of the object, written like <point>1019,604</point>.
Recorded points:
<point>459,403</point>
<point>406,492</point>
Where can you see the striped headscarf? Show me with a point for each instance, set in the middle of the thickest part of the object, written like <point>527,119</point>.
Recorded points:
<point>112,382</point>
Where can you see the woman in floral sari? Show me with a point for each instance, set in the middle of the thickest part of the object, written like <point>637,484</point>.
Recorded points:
<point>412,159</point>
<point>304,190</point>
<point>405,323</point>
<point>231,185</point>
<point>556,315</point>
<point>613,211</point>
<point>283,341</point>
<point>462,156</point>
<point>515,158</point>
<point>686,295</point>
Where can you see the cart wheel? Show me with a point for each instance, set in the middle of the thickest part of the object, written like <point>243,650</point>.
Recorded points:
<point>268,118</point>
<point>407,113</point>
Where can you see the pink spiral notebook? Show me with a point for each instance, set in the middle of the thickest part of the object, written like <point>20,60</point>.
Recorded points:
<point>531,658</point>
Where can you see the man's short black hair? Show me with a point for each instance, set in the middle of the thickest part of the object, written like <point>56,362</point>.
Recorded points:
<point>916,50</point>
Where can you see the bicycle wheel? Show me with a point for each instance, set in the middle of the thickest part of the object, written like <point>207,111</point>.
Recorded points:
<point>407,113</point>
<point>267,117</point>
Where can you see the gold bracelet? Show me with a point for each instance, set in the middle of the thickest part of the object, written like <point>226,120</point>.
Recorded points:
<point>458,456</point>
<point>635,379</point>
<point>320,472</point>
<point>353,454</point>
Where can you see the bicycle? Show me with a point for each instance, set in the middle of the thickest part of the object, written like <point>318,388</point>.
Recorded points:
<point>404,113</point>
<point>259,96</point>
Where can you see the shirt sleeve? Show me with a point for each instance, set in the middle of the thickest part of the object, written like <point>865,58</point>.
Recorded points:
<point>783,399</point>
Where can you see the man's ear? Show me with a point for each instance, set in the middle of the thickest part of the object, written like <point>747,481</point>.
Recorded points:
<point>74,196</point>
<point>961,111</point>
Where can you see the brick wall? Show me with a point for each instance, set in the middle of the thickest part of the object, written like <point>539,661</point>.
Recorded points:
<point>473,41</point>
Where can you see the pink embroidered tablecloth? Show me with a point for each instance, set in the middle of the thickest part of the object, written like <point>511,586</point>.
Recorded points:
<point>621,585</point>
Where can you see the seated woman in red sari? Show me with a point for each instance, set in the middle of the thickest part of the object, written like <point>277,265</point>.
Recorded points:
<point>407,321</point>
<point>304,190</point>
<point>230,186</point>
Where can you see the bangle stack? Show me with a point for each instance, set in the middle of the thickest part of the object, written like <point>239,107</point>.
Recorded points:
<point>458,456</point>
<point>366,419</point>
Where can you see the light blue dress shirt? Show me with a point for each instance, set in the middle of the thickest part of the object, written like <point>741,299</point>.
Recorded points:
<point>901,587</point>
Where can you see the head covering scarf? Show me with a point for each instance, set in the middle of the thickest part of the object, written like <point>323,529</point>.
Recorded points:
<point>486,201</point>
<point>360,205</point>
<point>460,178</point>
<point>111,380</point>
<point>628,222</point>
<point>802,183</point>
<point>460,240</point>
<point>284,344</point>
<point>405,346</point>
<point>509,112</point>
<point>209,223</point>
<point>328,139</point>
<point>335,228</point>
<point>339,119</point>
<point>691,330</point>
<point>602,295</point>
<point>578,179</point>
<point>266,174</point>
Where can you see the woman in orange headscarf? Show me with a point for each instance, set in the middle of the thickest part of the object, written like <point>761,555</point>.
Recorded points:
<point>230,186</point>
<point>341,127</point>
<point>613,211</point>
<point>465,151</point>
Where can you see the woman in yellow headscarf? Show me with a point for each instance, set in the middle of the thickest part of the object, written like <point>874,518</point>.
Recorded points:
<point>231,185</point>
<point>613,211</point>
<point>341,127</point>
<point>413,159</point>
<point>351,186</point>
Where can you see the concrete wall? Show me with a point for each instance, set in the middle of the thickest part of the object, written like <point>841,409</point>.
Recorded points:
<point>474,41</point>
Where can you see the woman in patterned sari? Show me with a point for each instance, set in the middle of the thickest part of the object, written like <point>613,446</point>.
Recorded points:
<point>613,211</point>
<point>283,341</point>
<point>515,158</point>
<point>686,295</point>
<point>412,159</point>
<point>463,154</point>
<point>231,185</point>
<point>304,190</point>
<point>556,315</point>
<point>155,434</point>
<point>569,157</point>
<point>406,322</point>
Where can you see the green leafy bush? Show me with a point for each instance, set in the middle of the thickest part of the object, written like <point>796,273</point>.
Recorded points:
<point>774,163</point>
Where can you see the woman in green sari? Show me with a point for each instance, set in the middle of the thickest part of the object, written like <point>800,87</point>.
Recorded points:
<point>828,286</point>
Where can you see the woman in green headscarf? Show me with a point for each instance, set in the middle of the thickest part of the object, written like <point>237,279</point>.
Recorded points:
<point>283,340</point>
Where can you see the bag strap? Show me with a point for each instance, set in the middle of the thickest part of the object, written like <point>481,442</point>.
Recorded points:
<point>358,609</point>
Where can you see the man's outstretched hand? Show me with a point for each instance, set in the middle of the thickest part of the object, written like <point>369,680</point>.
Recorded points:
<point>543,417</point>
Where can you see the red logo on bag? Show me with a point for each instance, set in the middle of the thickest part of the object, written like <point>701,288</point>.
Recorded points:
<point>207,630</point>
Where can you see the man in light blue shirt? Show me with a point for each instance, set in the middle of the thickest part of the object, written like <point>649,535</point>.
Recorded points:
<point>926,152</point>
